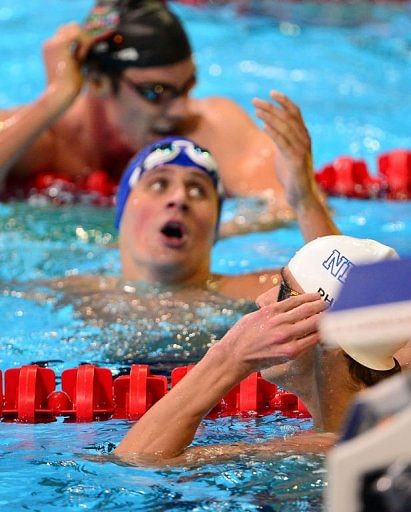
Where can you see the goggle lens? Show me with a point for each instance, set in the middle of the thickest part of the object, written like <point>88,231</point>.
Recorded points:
<point>158,93</point>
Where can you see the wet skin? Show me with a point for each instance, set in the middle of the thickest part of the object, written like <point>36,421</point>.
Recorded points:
<point>143,122</point>
<point>168,227</point>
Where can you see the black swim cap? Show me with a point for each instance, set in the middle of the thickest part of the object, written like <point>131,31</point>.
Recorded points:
<point>139,33</point>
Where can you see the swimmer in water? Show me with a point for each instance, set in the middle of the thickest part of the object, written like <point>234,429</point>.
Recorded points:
<point>168,208</point>
<point>123,81</point>
<point>280,338</point>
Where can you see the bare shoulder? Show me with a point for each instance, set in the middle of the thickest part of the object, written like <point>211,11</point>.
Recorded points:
<point>83,284</point>
<point>40,153</point>
<point>248,286</point>
<point>246,169</point>
<point>6,113</point>
<point>217,108</point>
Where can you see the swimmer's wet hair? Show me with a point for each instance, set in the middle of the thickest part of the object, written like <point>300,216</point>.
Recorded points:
<point>138,33</point>
<point>367,376</point>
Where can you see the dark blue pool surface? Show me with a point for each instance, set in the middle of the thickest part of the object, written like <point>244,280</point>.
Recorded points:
<point>352,83</point>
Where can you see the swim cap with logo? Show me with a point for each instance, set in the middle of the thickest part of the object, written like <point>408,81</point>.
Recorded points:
<point>323,265</point>
<point>176,150</point>
<point>139,33</point>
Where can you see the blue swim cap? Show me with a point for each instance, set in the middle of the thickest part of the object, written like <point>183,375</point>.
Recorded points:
<point>170,150</point>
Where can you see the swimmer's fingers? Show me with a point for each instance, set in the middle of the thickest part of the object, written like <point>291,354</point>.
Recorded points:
<point>304,310</point>
<point>284,123</point>
<point>296,301</point>
<point>63,55</point>
<point>292,349</point>
<point>66,38</point>
<point>288,106</point>
<point>268,297</point>
<point>303,327</point>
<point>287,134</point>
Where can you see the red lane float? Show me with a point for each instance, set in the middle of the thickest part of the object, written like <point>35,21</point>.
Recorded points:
<point>346,176</point>
<point>134,394</point>
<point>89,393</point>
<point>96,188</point>
<point>349,177</point>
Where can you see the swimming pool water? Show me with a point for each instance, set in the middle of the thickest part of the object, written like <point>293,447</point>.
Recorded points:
<point>352,84</point>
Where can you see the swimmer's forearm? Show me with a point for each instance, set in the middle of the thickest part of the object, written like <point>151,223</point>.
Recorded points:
<point>314,217</point>
<point>24,125</point>
<point>170,425</point>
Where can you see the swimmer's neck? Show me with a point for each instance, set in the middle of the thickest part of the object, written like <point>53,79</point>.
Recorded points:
<point>143,287</point>
<point>171,278</point>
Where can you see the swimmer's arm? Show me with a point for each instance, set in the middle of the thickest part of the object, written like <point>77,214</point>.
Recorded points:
<point>302,443</point>
<point>170,425</point>
<point>245,159</point>
<point>293,164</point>
<point>271,335</point>
<point>20,127</point>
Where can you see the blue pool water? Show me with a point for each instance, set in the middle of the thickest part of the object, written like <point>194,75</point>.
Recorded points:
<point>352,84</point>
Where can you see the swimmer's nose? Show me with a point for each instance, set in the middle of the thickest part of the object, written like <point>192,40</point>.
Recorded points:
<point>177,108</point>
<point>182,206</point>
<point>178,198</point>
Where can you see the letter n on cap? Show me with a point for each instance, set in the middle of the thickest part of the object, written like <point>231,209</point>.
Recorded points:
<point>338,265</point>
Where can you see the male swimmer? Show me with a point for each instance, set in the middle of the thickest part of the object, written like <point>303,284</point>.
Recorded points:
<point>123,81</point>
<point>324,378</point>
<point>168,209</point>
<point>277,333</point>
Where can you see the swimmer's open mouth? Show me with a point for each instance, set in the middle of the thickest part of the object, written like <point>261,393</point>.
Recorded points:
<point>174,230</point>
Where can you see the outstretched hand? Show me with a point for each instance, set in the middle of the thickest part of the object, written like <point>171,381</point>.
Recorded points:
<point>284,123</point>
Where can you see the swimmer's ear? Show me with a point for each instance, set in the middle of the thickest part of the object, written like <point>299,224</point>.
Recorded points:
<point>100,84</point>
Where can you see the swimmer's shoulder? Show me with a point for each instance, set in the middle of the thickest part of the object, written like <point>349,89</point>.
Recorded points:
<point>39,156</point>
<point>247,286</point>
<point>216,108</point>
<point>84,284</point>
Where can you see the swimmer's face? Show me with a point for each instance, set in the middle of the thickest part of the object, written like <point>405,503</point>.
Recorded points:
<point>168,225</point>
<point>142,114</point>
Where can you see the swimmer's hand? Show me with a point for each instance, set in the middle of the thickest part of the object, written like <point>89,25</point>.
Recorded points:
<point>285,125</point>
<point>271,335</point>
<point>64,54</point>
<point>276,333</point>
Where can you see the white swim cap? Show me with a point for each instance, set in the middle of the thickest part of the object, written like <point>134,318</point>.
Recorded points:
<point>323,265</point>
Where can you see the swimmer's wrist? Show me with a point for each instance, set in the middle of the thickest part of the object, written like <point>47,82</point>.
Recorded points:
<point>232,366</point>
<point>58,99</point>
<point>311,199</point>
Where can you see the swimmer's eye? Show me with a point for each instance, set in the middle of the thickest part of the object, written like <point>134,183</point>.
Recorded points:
<point>196,191</point>
<point>158,185</point>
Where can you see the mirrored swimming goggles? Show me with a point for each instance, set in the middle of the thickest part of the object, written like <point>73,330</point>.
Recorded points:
<point>180,152</point>
<point>285,291</point>
<point>159,93</point>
